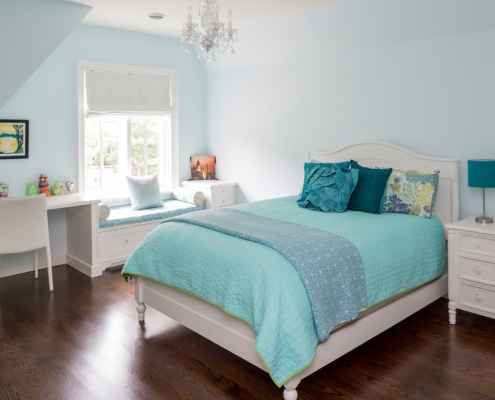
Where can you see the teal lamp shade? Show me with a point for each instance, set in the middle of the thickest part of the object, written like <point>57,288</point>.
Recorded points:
<point>481,173</point>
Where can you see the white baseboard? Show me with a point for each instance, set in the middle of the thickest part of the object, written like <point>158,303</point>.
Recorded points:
<point>83,267</point>
<point>14,269</point>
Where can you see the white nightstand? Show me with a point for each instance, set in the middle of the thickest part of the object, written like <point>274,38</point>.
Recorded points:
<point>471,268</point>
<point>217,193</point>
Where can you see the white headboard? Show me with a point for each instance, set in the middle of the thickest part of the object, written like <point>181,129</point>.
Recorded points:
<point>381,154</point>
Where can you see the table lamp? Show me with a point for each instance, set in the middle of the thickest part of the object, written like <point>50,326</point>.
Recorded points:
<point>481,174</point>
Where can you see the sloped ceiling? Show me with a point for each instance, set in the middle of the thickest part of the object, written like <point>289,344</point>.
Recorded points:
<point>31,31</point>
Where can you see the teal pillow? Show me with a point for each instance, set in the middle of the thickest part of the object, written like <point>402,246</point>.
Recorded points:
<point>368,195</point>
<point>329,189</point>
<point>144,192</point>
<point>309,166</point>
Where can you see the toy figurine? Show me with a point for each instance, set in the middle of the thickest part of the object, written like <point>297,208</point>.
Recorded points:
<point>57,188</point>
<point>44,186</point>
<point>31,189</point>
<point>69,185</point>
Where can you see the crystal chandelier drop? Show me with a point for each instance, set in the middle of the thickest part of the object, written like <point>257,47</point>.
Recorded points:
<point>215,36</point>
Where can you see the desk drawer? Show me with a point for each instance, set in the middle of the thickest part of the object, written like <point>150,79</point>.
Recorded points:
<point>476,270</point>
<point>477,245</point>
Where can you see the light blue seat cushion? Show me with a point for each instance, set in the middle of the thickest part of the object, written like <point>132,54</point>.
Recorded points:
<point>123,215</point>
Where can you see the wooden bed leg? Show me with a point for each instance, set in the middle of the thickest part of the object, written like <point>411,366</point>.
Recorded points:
<point>141,308</point>
<point>290,392</point>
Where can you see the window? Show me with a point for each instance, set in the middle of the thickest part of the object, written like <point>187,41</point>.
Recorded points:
<point>128,127</point>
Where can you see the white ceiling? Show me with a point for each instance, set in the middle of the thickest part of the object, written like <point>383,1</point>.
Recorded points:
<point>133,14</point>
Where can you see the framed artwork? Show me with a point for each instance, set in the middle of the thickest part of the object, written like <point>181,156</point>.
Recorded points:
<point>203,167</point>
<point>14,138</point>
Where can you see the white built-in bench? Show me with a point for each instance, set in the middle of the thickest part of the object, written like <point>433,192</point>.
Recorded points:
<point>124,229</point>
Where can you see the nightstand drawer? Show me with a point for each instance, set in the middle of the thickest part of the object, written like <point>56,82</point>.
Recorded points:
<point>223,191</point>
<point>477,245</point>
<point>478,298</point>
<point>223,201</point>
<point>476,270</point>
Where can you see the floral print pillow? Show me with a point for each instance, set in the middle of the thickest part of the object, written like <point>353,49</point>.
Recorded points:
<point>411,192</point>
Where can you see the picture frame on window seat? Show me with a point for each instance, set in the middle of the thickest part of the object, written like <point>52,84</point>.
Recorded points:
<point>203,167</point>
<point>14,138</point>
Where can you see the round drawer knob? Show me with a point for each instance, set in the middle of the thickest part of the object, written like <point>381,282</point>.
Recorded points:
<point>478,298</point>
<point>478,270</point>
<point>126,241</point>
<point>477,245</point>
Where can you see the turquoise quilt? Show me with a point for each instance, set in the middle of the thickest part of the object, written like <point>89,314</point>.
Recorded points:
<point>258,285</point>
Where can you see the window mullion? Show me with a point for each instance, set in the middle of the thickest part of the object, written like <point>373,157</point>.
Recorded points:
<point>145,146</point>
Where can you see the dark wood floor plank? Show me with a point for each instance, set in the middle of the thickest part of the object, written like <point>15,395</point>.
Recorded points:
<point>83,341</point>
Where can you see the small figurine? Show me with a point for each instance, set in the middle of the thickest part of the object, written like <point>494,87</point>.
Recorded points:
<point>44,186</point>
<point>57,188</point>
<point>31,189</point>
<point>69,185</point>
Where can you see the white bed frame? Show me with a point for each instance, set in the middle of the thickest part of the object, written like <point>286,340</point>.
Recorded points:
<point>238,337</point>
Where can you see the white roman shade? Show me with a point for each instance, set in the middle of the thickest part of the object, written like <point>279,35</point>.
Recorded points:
<point>126,93</point>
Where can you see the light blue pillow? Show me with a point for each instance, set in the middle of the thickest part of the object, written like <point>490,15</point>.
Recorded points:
<point>144,192</point>
<point>329,189</point>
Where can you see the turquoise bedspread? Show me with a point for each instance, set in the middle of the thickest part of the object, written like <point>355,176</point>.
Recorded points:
<point>258,285</point>
<point>330,267</point>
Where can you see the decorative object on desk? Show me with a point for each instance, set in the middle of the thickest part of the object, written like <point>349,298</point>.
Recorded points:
<point>203,167</point>
<point>4,189</point>
<point>481,174</point>
<point>69,185</point>
<point>189,195</point>
<point>31,189</point>
<point>14,138</point>
<point>104,211</point>
<point>43,186</point>
<point>57,188</point>
<point>214,36</point>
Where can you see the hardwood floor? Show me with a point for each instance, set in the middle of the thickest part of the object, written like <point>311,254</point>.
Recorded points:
<point>83,341</point>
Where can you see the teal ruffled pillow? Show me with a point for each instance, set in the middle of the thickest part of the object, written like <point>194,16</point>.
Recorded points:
<point>144,192</point>
<point>329,189</point>
<point>368,195</point>
<point>310,166</point>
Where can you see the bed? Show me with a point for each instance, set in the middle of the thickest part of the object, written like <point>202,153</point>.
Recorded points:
<point>237,336</point>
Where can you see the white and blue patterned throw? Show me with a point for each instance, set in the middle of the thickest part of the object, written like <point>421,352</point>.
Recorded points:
<point>330,267</point>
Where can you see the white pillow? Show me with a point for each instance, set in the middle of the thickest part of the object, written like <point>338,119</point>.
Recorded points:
<point>144,192</point>
<point>104,211</point>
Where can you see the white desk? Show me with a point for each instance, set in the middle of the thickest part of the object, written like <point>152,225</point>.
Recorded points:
<point>82,219</point>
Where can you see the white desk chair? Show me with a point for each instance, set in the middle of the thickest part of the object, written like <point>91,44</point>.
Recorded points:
<point>24,227</point>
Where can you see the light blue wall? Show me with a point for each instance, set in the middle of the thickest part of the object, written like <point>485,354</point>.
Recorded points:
<point>48,100</point>
<point>31,29</point>
<point>418,73</point>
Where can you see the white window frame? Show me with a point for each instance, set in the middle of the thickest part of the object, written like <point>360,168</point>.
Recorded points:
<point>172,173</point>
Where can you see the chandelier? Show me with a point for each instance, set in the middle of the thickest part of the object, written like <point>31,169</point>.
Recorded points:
<point>215,36</point>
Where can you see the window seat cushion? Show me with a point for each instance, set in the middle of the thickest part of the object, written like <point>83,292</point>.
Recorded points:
<point>123,215</point>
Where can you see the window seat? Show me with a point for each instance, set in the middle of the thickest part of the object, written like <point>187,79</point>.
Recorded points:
<point>124,229</point>
<point>122,215</point>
